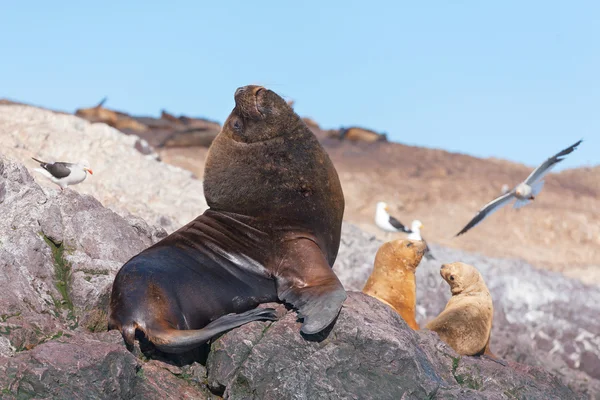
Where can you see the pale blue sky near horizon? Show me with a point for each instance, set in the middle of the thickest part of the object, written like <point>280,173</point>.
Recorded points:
<point>513,80</point>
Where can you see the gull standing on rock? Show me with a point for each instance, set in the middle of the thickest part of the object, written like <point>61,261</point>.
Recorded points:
<point>64,173</point>
<point>386,222</point>
<point>415,234</point>
<point>524,192</point>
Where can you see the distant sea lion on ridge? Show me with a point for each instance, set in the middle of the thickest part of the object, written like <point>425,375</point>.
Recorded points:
<point>466,322</point>
<point>272,232</point>
<point>393,279</point>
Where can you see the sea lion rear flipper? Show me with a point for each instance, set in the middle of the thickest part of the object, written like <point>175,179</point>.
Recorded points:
<point>487,354</point>
<point>179,341</point>
<point>306,281</point>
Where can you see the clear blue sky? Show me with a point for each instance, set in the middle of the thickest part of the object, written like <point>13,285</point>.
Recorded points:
<point>513,79</point>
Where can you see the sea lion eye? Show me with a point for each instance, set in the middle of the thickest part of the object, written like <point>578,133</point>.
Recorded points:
<point>409,244</point>
<point>236,124</point>
<point>451,277</point>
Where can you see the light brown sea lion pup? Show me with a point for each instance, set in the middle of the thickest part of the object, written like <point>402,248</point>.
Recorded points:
<point>466,322</point>
<point>393,278</point>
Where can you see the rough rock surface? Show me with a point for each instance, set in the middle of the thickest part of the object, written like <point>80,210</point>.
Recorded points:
<point>124,179</point>
<point>370,353</point>
<point>541,318</point>
<point>59,254</point>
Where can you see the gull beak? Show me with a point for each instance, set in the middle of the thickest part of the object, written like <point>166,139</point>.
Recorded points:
<point>89,170</point>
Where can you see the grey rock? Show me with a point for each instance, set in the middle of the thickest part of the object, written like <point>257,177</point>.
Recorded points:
<point>91,366</point>
<point>541,318</point>
<point>59,254</point>
<point>370,353</point>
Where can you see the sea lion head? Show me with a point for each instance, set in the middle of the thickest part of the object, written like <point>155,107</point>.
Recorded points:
<point>259,114</point>
<point>461,277</point>
<point>400,255</point>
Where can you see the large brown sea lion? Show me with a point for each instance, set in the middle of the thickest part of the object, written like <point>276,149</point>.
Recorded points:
<point>466,322</point>
<point>393,279</point>
<point>271,233</point>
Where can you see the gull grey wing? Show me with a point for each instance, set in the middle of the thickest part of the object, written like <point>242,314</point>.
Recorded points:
<point>58,169</point>
<point>488,209</point>
<point>547,165</point>
<point>398,225</point>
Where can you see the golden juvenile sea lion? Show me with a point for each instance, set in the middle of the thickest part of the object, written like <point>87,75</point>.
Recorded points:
<point>272,232</point>
<point>466,322</point>
<point>393,278</point>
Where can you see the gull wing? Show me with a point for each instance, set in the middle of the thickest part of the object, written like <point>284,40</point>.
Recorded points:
<point>488,209</point>
<point>398,225</point>
<point>56,169</point>
<point>547,165</point>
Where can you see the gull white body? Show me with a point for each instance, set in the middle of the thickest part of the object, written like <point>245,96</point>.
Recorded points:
<point>76,176</point>
<point>382,218</point>
<point>64,174</point>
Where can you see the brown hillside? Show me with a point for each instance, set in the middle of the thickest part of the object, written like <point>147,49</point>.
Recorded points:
<point>559,231</point>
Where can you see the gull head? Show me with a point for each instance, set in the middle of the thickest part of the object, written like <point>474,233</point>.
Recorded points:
<point>85,165</point>
<point>416,226</point>
<point>381,205</point>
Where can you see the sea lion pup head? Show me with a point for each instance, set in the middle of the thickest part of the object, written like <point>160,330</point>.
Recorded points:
<point>462,278</point>
<point>259,115</point>
<point>398,256</point>
<point>393,278</point>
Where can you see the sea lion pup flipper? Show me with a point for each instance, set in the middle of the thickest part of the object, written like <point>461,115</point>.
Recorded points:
<point>306,281</point>
<point>170,340</point>
<point>487,353</point>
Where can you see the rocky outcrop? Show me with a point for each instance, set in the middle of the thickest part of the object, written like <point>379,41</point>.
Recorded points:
<point>59,253</point>
<point>370,353</point>
<point>541,318</point>
<point>124,180</point>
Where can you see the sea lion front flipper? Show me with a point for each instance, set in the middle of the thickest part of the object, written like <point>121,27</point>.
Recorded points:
<point>178,341</point>
<point>306,281</point>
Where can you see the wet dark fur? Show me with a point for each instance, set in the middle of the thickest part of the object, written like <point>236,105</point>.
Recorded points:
<point>272,233</point>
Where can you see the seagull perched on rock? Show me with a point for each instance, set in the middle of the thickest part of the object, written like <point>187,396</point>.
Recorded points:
<point>415,234</point>
<point>64,173</point>
<point>390,224</point>
<point>524,192</point>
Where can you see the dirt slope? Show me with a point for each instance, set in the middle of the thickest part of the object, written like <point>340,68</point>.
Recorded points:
<point>559,231</point>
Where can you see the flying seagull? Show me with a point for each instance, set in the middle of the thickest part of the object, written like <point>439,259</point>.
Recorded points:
<point>64,173</point>
<point>524,192</point>
<point>386,222</point>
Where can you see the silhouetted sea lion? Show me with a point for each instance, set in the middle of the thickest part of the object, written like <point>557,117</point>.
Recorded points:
<point>393,279</point>
<point>272,232</point>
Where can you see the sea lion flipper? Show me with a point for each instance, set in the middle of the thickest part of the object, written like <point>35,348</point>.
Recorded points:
<point>306,281</point>
<point>179,341</point>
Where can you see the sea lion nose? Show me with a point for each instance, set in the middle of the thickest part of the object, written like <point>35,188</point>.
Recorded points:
<point>239,91</point>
